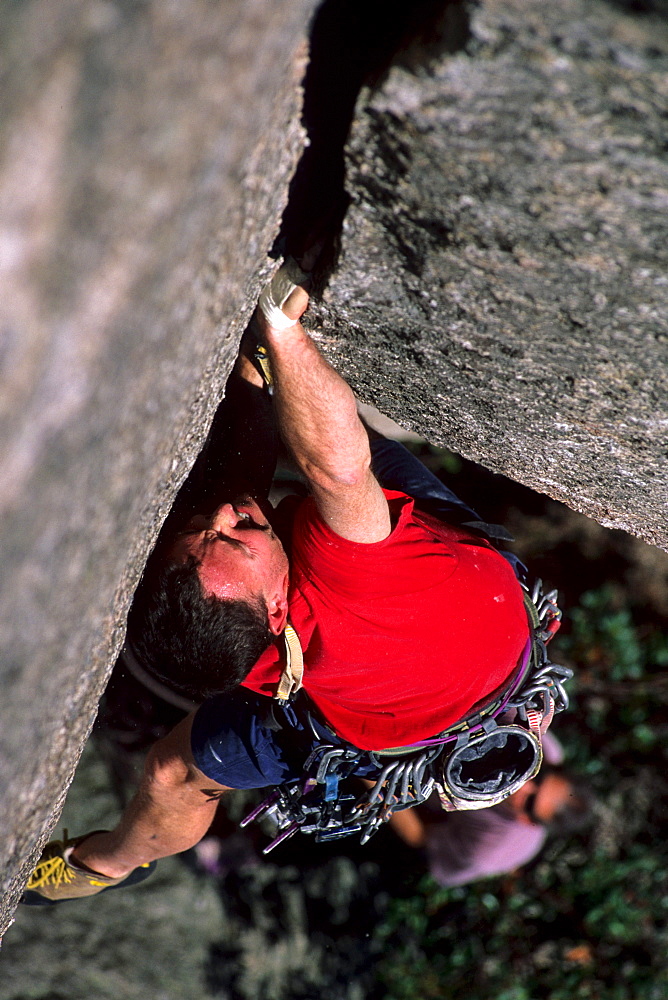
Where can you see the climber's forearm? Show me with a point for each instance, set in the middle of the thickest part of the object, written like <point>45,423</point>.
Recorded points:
<point>316,410</point>
<point>317,416</point>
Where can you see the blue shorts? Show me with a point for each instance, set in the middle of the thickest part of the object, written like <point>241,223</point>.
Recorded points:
<point>245,740</point>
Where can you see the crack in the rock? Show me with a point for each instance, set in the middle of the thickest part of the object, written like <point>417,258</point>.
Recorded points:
<point>353,43</point>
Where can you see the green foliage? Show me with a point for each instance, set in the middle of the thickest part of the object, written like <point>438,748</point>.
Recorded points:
<point>588,919</point>
<point>619,685</point>
<point>603,635</point>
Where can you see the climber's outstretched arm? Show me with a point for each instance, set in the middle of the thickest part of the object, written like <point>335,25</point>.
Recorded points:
<point>317,417</point>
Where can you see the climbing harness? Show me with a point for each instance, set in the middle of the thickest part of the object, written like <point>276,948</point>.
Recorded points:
<point>475,763</point>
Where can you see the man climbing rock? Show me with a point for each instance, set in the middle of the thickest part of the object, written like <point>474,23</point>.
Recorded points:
<point>345,624</point>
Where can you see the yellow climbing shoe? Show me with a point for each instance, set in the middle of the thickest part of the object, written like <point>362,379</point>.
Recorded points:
<point>56,878</point>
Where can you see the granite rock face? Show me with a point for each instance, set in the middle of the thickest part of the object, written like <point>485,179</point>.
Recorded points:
<point>146,151</point>
<point>502,285</point>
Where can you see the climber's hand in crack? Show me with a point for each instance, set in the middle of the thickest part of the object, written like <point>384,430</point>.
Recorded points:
<point>317,418</point>
<point>246,366</point>
<point>296,304</point>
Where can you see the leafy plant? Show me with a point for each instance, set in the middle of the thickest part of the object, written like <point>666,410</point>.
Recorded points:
<point>603,636</point>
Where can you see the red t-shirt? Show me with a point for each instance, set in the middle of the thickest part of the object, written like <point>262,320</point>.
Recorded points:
<point>401,637</point>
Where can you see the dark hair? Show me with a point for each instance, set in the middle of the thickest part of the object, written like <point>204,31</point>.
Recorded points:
<point>195,644</point>
<point>577,812</point>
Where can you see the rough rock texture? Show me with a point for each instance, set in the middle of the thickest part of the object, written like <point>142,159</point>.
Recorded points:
<point>146,150</point>
<point>502,283</point>
<point>501,287</point>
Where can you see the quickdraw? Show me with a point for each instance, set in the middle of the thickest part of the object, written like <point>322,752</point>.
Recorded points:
<point>475,763</point>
